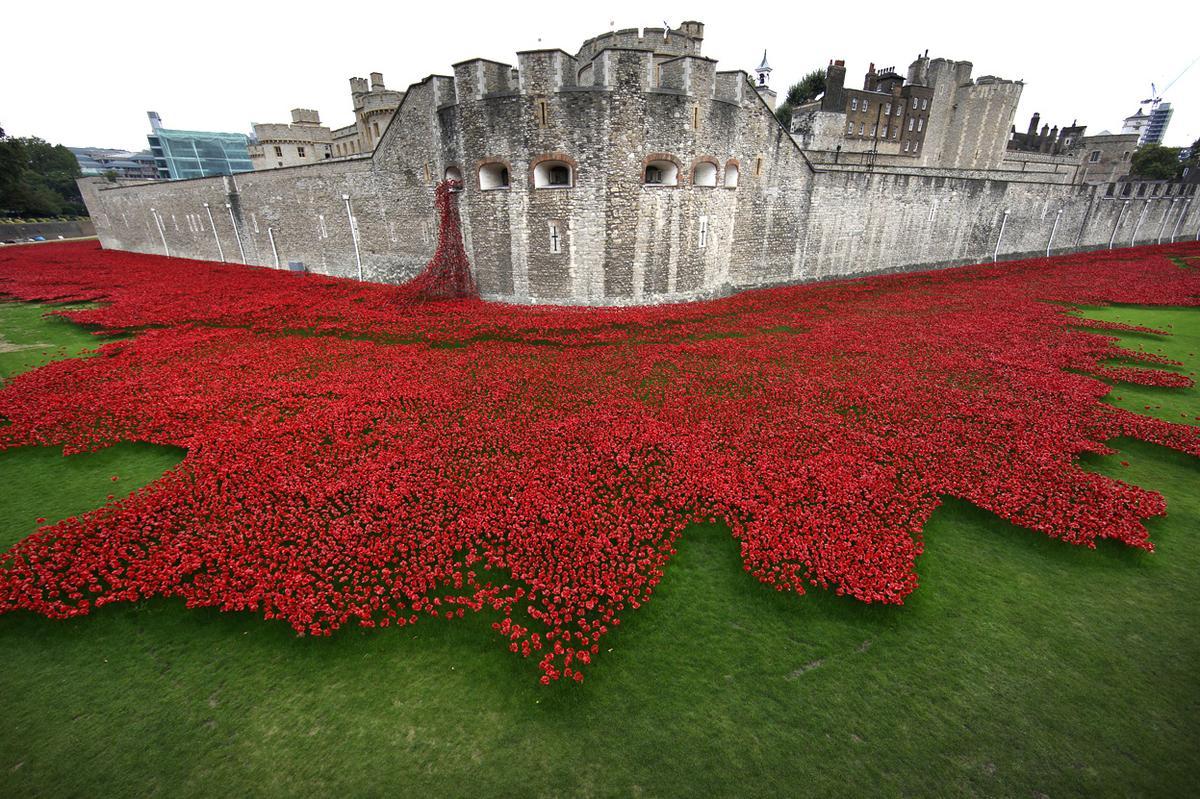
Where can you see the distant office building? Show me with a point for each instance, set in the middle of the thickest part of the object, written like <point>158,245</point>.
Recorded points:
<point>1160,117</point>
<point>182,154</point>
<point>121,163</point>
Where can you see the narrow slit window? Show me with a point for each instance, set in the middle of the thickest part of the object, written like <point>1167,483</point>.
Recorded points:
<point>703,232</point>
<point>555,239</point>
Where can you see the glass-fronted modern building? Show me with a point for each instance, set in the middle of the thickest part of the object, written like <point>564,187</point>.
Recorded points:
<point>181,154</point>
<point>1160,117</point>
<point>122,163</point>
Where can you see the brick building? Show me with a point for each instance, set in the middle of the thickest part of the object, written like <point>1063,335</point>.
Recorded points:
<point>937,103</point>
<point>1048,141</point>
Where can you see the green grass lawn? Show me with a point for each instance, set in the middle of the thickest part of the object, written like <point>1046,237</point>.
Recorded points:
<point>1020,667</point>
<point>29,338</point>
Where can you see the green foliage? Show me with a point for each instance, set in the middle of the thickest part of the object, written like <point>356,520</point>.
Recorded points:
<point>1155,162</point>
<point>800,93</point>
<point>38,179</point>
<point>1193,159</point>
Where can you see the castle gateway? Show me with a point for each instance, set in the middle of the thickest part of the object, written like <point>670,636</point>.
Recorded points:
<point>636,172</point>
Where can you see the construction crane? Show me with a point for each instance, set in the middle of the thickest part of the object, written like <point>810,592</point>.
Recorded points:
<point>1155,98</point>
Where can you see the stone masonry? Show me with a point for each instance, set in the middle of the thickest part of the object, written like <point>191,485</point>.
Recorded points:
<point>633,172</point>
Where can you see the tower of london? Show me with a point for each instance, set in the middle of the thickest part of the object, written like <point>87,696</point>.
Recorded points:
<point>636,171</point>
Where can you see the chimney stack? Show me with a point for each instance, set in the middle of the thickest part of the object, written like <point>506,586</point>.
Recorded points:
<point>835,87</point>
<point>376,81</point>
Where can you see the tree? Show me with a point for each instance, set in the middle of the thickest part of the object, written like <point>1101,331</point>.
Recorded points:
<point>799,93</point>
<point>1155,162</point>
<point>38,178</point>
<point>1193,155</point>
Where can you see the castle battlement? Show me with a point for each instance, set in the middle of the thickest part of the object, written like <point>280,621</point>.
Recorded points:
<point>635,172</point>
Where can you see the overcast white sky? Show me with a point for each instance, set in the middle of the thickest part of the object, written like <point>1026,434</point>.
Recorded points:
<point>84,74</point>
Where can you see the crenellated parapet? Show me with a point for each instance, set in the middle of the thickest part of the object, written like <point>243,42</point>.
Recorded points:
<point>545,71</point>
<point>631,172</point>
<point>684,40</point>
<point>482,77</point>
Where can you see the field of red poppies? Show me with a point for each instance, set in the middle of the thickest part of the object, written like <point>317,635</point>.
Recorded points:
<point>353,457</point>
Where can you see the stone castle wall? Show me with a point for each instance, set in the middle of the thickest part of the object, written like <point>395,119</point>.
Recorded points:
<point>609,238</point>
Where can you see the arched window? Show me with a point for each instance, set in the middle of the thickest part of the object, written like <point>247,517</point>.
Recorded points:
<point>553,175</point>
<point>705,174</point>
<point>661,173</point>
<point>493,176</point>
<point>731,175</point>
<point>453,173</point>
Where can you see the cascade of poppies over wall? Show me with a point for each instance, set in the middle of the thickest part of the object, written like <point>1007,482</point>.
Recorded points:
<point>448,273</point>
<point>356,458</point>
